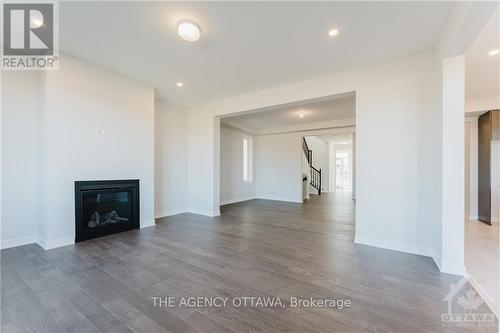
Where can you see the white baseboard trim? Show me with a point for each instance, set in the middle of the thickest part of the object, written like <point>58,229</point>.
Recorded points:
<point>451,268</point>
<point>20,241</point>
<point>231,201</point>
<point>191,211</point>
<point>437,261</point>
<point>473,217</point>
<point>393,246</point>
<point>170,213</point>
<point>279,199</point>
<point>204,212</point>
<point>147,223</point>
<point>44,244</point>
<point>484,295</point>
<point>53,243</point>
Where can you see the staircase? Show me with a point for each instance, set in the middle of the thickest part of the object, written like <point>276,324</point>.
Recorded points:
<point>315,180</point>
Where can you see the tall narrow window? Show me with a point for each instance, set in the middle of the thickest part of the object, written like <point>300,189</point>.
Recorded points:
<point>247,159</point>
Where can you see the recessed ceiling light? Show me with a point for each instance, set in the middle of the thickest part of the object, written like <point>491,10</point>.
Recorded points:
<point>188,30</point>
<point>179,84</point>
<point>301,115</point>
<point>494,52</point>
<point>333,32</point>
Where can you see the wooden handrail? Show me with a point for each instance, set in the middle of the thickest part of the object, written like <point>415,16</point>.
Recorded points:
<point>308,152</point>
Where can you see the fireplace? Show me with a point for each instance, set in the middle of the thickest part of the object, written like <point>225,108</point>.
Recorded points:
<point>105,207</point>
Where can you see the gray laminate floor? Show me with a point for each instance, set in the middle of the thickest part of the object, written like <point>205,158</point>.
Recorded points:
<point>257,248</point>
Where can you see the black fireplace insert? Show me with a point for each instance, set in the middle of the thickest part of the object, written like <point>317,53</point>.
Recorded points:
<point>105,207</point>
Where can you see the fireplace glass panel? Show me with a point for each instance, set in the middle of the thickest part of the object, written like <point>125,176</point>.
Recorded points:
<point>101,209</point>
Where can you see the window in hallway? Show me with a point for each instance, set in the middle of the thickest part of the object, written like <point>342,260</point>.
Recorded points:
<point>342,171</point>
<point>247,160</point>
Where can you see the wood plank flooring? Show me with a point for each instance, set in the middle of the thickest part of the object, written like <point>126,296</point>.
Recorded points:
<point>257,248</point>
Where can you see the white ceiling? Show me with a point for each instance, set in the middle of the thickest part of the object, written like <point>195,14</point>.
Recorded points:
<point>245,46</point>
<point>335,108</point>
<point>482,71</point>
<point>336,138</point>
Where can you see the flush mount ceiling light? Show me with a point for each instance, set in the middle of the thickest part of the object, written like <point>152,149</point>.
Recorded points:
<point>333,32</point>
<point>301,115</point>
<point>179,84</point>
<point>493,52</point>
<point>188,30</point>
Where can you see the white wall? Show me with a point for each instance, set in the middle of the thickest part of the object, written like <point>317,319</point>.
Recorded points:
<point>20,157</point>
<point>453,170</point>
<point>170,159</point>
<point>93,124</point>
<point>467,168</point>
<point>400,95</point>
<point>203,195</point>
<point>482,81</point>
<point>232,187</point>
<point>321,160</point>
<point>354,166</point>
<point>82,99</point>
<point>279,167</point>
<point>473,167</point>
<point>495,181</point>
<point>463,25</point>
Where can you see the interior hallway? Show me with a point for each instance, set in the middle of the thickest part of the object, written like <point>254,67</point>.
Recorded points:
<point>481,259</point>
<point>255,248</point>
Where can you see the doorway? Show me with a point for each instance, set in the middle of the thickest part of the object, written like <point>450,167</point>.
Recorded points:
<point>343,170</point>
<point>342,163</point>
<point>481,250</point>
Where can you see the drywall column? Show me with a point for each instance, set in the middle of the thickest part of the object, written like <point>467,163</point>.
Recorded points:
<point>467,168</point>
<point>472,176</point>
<point>170,159</point>
<point>453,206</point>
<point>216,170</point>
<point>353,166</point>
<point>498,153</point>
<point>20,119</point>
